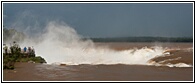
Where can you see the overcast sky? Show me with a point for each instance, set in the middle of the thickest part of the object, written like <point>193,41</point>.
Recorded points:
<point>105,19</point>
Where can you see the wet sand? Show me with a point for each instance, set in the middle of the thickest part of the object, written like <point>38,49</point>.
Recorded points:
<point>118,72</point>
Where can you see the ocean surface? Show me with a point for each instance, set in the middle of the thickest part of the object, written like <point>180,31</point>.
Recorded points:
<point>143,62</point>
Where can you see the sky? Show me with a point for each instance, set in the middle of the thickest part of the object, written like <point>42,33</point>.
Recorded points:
<point>104,19</point>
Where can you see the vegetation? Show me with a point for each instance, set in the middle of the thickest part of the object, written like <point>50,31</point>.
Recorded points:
<point>9,60</point>
<point>37,59</point>
<point>16,55</point>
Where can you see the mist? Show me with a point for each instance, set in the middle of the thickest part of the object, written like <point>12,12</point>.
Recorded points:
<point>60,43</point>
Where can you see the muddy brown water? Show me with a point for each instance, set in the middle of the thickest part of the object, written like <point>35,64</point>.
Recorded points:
<point>117,72</point>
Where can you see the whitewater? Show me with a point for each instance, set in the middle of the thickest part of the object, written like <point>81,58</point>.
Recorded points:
<point>61,44</point>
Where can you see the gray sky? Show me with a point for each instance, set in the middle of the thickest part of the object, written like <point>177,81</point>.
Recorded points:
<point>105,19</point>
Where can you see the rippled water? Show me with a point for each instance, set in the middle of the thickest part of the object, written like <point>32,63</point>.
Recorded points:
<point>113,73</point>
<point>175,66</point>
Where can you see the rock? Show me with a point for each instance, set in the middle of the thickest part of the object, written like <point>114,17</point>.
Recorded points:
<point>62,64</point>
<point>31,61</point>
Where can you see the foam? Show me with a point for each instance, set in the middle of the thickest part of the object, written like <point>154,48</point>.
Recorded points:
<point>179,65</point>
<point>61,44</point>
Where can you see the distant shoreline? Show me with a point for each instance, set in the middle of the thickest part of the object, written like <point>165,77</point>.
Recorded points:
<point>143,39</point>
